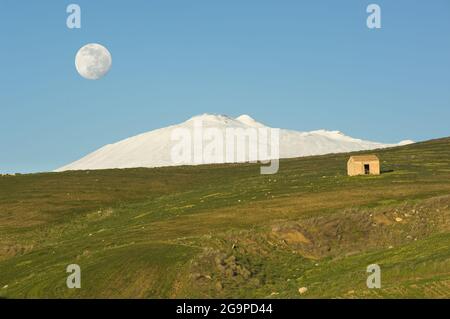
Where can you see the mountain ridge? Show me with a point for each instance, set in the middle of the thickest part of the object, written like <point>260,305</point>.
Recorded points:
<point>153,148</point>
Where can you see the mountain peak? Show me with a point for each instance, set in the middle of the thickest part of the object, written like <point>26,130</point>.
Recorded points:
<point>210,117</point>
<point>245,117</point>
<point>222,119</point>
<point>248,120</point>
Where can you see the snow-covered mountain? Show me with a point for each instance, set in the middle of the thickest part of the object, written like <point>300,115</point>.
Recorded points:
<point>154,148</point>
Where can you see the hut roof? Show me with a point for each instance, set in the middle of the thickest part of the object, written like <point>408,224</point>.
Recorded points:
<point>364,158</point>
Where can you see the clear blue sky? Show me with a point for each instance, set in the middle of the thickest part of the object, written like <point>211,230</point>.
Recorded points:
<point>301,65</point>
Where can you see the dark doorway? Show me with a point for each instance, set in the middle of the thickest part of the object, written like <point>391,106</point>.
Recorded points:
<point>366,169</point>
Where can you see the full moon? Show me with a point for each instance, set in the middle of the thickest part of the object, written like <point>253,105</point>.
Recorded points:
<point>93,61</point>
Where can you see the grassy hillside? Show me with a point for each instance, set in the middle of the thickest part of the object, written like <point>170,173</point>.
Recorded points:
<point>227,231</point>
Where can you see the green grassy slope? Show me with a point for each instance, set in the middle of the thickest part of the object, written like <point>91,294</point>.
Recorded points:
<point>227,231</point>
